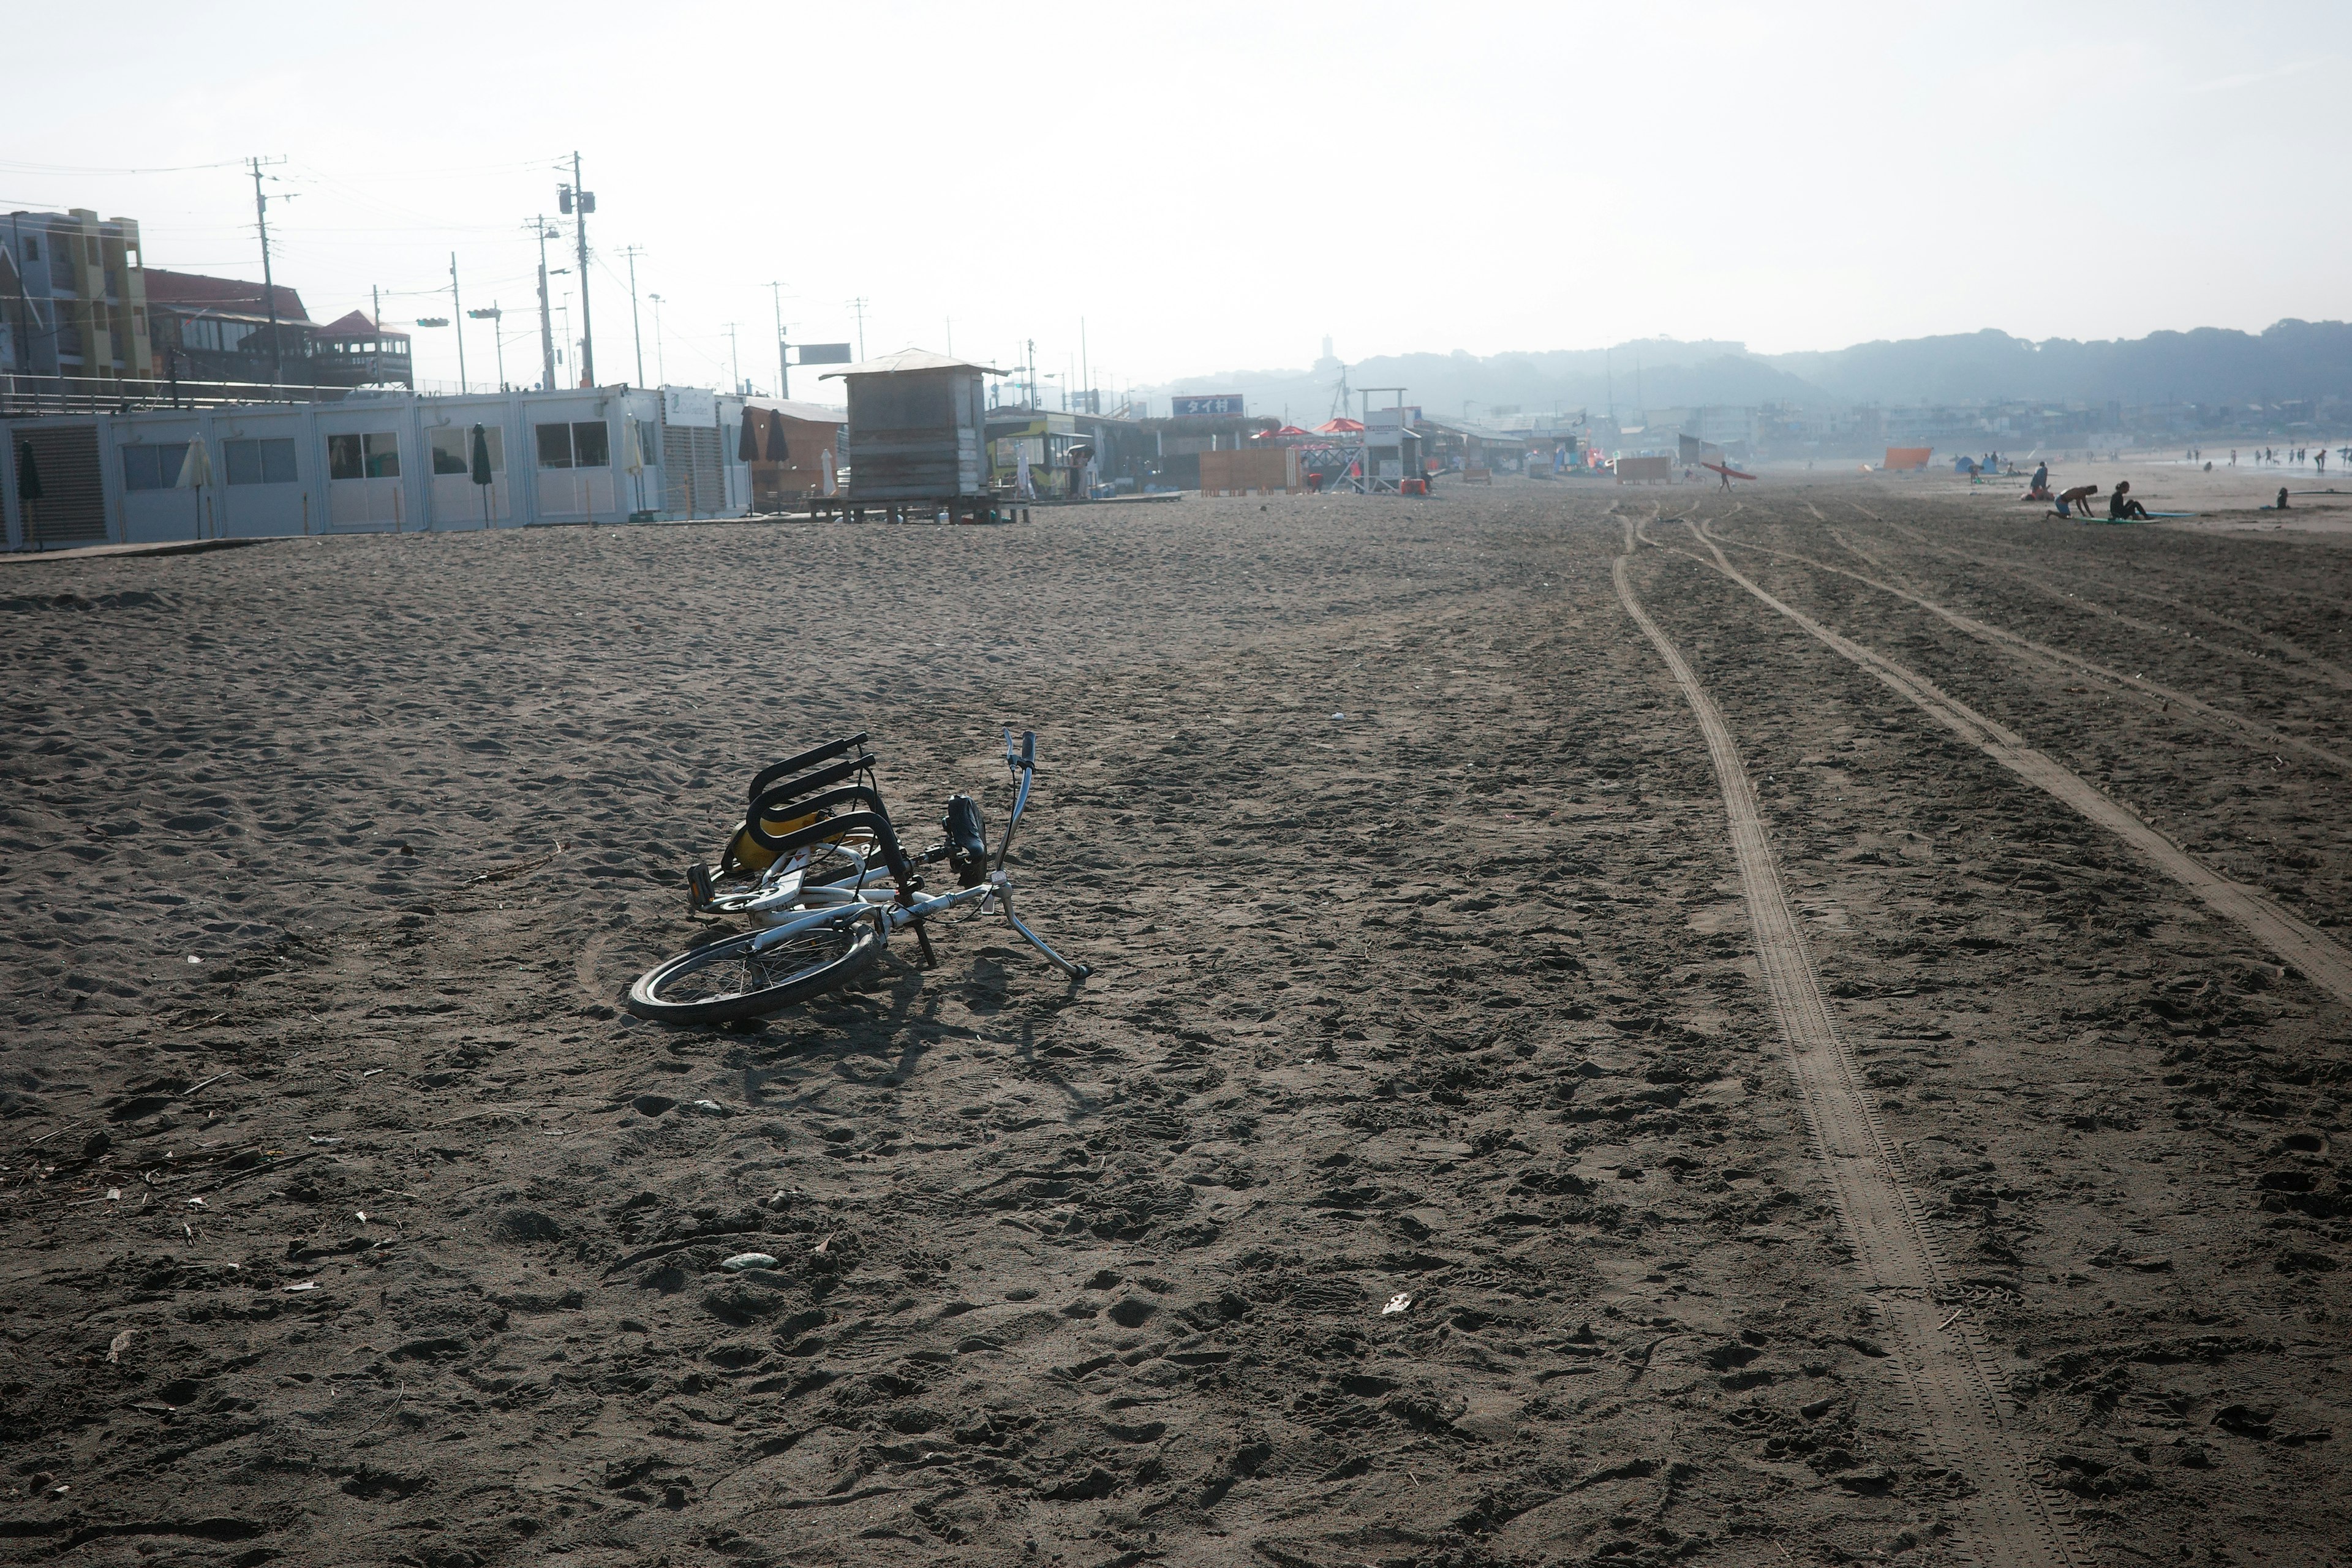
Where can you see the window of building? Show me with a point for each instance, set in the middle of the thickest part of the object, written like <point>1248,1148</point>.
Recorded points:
<point>32,250</point>
<point>153,467</point>
<point>269,462</point>
<point>453,448</point>
<point>584,445</point>
<point>370,456</point>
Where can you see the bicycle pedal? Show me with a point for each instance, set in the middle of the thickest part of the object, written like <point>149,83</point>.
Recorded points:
<point>697,888</point>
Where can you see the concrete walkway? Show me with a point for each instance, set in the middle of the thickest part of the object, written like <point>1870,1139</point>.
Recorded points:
<point>95,551</point>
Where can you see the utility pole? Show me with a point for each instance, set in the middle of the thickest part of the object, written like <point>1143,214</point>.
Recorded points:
<point>783,365</point>
<point>268,289</point>
<point>660,368</point>
<point>546,316</point>
<point>586,204</point>
<point>735,360</point>
<point>1085,372</point>
<point>457,323</point>
<point>858,305</point>
<point>636,333</point>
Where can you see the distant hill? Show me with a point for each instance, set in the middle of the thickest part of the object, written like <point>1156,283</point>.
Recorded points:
<point>2292,359</point>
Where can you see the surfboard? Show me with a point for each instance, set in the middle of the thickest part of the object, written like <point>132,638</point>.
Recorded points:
<point>1728,472</point>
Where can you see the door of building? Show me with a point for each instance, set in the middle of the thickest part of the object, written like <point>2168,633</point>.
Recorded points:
<point>364,483</point>
<point>457,500</point>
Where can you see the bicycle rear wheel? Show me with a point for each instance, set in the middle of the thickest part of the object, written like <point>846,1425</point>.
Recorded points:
<point>728,979</point>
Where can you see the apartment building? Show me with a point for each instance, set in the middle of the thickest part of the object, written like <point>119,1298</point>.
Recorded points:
<point>74,299</point>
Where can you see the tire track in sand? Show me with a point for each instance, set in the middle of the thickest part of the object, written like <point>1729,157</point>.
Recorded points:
<point>1948,1373</point>
<point>2026,648</point>
<point>2303,945</point>
<point>2294,659</point>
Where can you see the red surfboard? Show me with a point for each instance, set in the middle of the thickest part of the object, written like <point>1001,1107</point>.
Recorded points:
<point>1720,469</point>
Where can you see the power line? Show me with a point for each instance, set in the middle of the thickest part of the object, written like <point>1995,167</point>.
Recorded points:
<point>16,168</point>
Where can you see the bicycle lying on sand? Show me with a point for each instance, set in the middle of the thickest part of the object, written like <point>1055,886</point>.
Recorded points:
<point>816,862</point>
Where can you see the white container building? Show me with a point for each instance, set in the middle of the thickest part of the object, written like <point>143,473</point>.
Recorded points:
<point>372,463</point>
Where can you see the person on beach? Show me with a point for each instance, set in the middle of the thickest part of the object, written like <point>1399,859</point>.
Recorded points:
<point>2079,496</point>
<point>2039,489</point>
<point>2121,506</point>
<point>2319,461</point>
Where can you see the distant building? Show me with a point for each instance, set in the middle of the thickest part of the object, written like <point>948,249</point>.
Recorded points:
<point>1177,443</point>
<point>219,328</point>
<point>1457,445</point>
<point>1124,453</point>
<point>371,462</point>
<point>353,350</point>
<point>792,449</point>
<point>917,428</point>
<point>76,304</point>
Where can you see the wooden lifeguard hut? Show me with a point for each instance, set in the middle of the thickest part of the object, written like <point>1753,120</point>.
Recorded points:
<point>918,439</point>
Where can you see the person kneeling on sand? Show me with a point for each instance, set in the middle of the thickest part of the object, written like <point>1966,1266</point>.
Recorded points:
<point>2121,506</point>
<point>2079,496</point>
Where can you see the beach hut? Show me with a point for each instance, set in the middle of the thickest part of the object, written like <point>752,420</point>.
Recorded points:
<point>917,431</point>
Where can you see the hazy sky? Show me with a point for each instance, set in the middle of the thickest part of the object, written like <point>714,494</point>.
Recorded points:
<point>1215,187</point>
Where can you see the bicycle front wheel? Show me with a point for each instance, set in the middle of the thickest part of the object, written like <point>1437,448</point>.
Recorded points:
<point>730,979</point>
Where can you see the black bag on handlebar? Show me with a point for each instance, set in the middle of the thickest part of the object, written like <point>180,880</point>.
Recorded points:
<point>967,840</point>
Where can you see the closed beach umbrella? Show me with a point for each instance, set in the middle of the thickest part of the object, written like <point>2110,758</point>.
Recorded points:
<point>195,473</point>
<point>632,456</point>
<point>28,473</point>
<point>481,469</point>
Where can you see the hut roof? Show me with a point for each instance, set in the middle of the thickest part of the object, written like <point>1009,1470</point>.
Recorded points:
<point>907,360</point>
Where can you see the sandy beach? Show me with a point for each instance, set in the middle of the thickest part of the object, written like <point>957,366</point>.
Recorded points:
<point>349,1221</point>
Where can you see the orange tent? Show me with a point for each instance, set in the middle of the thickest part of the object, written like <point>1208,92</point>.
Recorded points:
<point>1908,457</point>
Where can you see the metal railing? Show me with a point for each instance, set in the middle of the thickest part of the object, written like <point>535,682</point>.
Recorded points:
<point>29,394</point>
